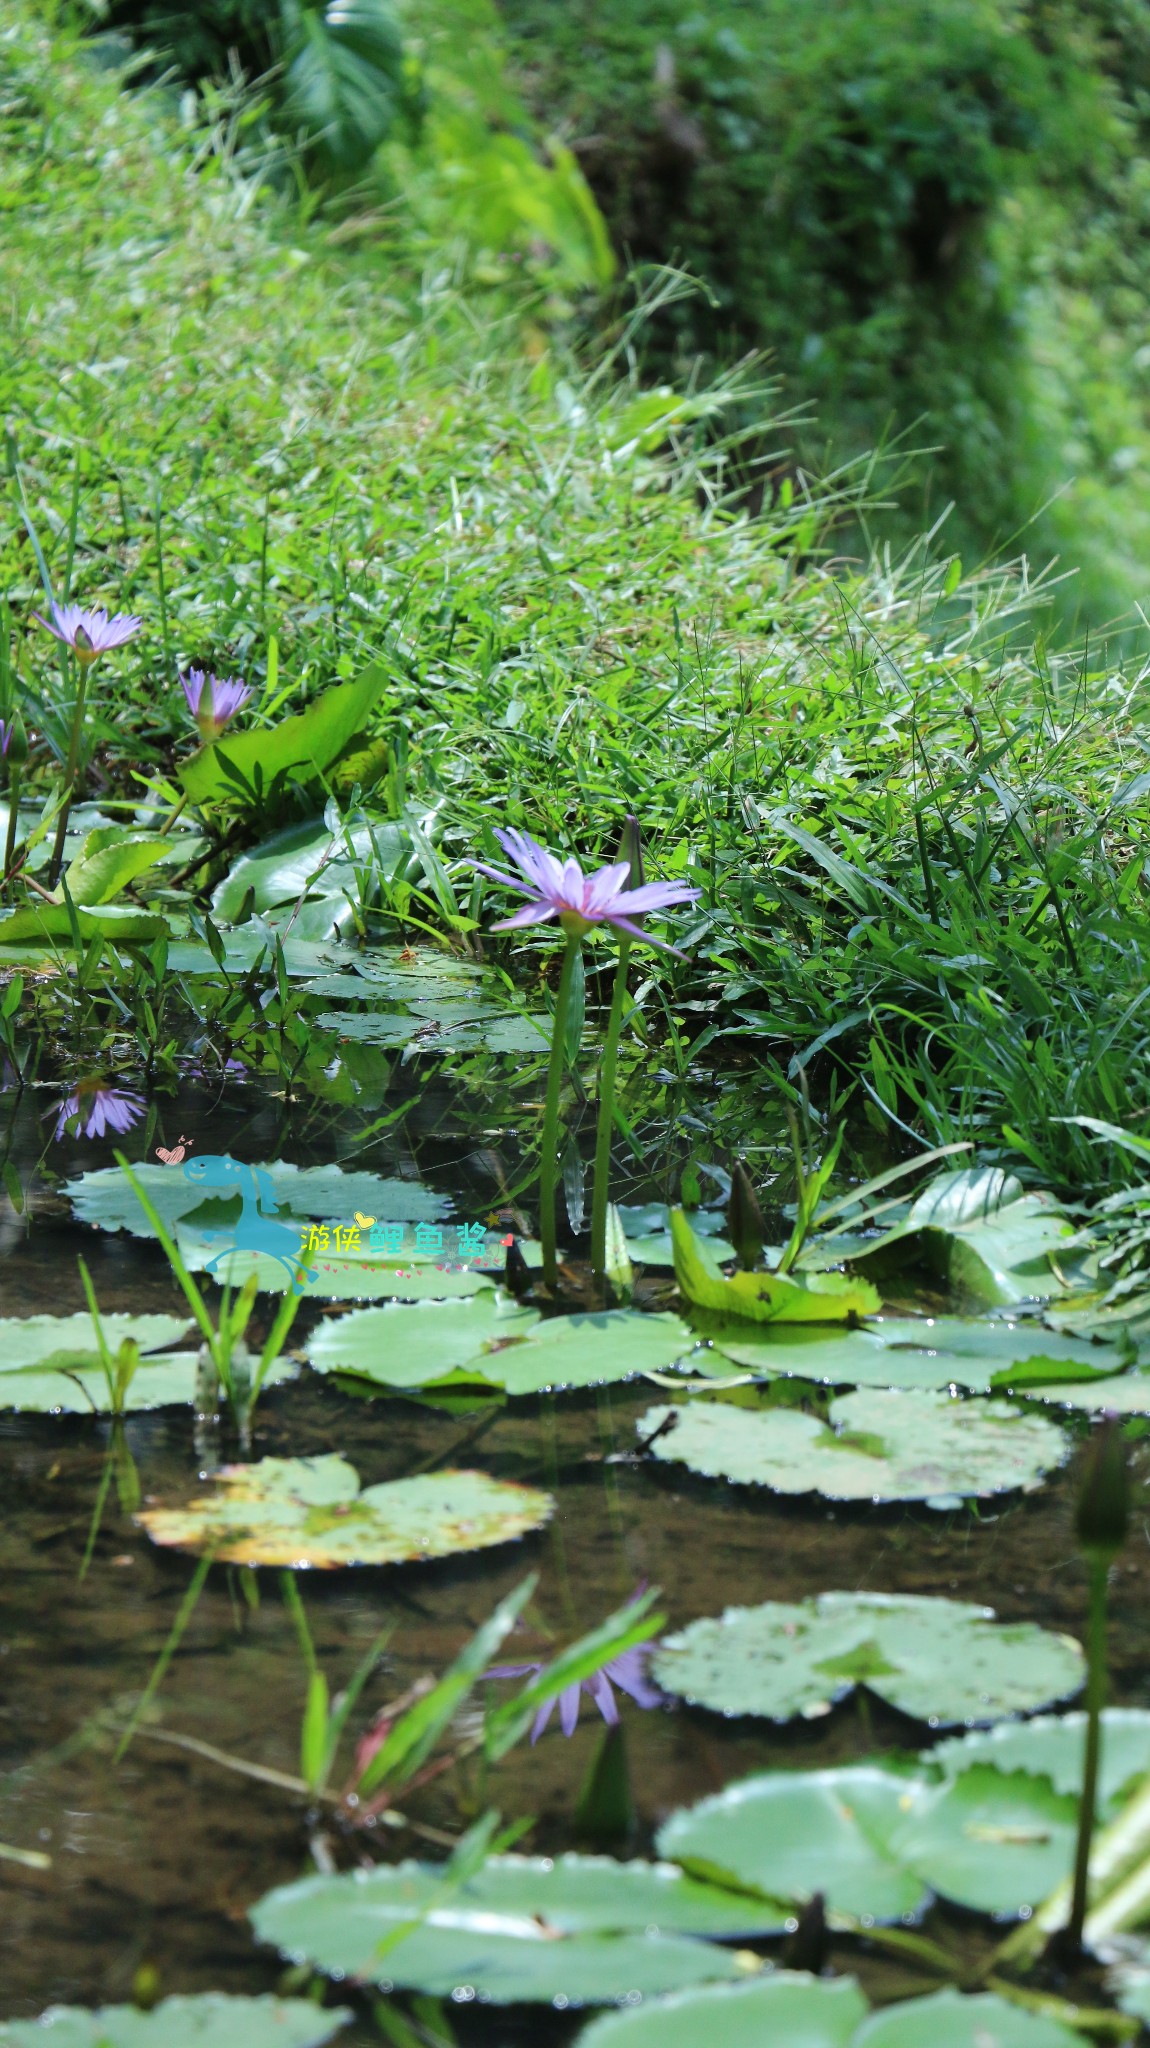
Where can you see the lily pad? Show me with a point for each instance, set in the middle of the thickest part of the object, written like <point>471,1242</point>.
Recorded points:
<point>782,2006</point>
<point>979,1234</point>
<point>1052,1746</point>
<point>576,1930</point>
<point>456,1028</point>
<point>1127,1395</point>
<point>943,1661</point>
<point>953,2019</point>
<point>499,1344</point>
<point>647,1229</point>
<point>915,1352</point>
<point>297,864</point>
<point>763,1297</point>
<point>209,2020</point>
<point>312,1193</point>
<point>341,1276</point>
<point>71,1340</point>
<point>876,1839</point>
<point>415,1346</point>
<point>790,1834</point>
<point>880,1445</point>
<point>309,1512</point>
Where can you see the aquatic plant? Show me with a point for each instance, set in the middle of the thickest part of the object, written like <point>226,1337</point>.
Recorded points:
<point>627,1671</point>
<point>1102,1522</point>
<point>213,700</point>
<point>89,634</point>
<point>93,1108</point>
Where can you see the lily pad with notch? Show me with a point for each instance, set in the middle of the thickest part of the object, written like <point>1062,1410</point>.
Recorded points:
<point>573,1930</point>
<point>1053,1745</point>
<point>877,1445</point>
<point>496,1342</point>
<point>310,1513</point>
<point>444,1027</point>
<point>310,1193</point>
<point>209,2019</point>
<point>942,1661</point>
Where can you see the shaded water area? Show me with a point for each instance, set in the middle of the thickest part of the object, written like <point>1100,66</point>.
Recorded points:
<point>156,1859</point>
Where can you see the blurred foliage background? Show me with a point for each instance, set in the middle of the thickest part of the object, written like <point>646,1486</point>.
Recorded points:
<point>932,215</point>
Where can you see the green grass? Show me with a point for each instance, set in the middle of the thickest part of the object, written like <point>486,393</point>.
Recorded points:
<point>918,837</point>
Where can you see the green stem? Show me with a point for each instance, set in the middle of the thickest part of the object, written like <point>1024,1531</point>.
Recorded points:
<point>549,1159</point>
<point>13,814</point>
<point>1095,1701</point>
<point>601,1188</point>
<point>70,771</point>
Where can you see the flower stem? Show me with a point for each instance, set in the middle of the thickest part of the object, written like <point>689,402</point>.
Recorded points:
<point>13,815</point>
<point>549,1158</point>
<point>70,772</point>
<point>602,1188</point>
<point>1095,1700</point>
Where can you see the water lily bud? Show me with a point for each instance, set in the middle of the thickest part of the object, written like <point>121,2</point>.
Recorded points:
<point>1103,1514</point>
<point>517,1274</point>
<point>631,849</point>
<point>745,1219</point>
<point>16,751</point>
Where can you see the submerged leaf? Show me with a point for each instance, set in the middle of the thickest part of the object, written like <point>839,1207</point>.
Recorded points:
<point>576,1930</point>
<point>880,1445</point>
<point>764,1297</point>
<point>305,1512</point>
<point>944,1661</point>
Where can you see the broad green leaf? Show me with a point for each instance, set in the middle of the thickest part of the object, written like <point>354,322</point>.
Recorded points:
<point>412,1346</point>
<point>298,748</point>
<point>994,1842</point>
<point>310,1512</point>
<point>764,1297</point>
<point>48,923</point>
<point>109,861</point>
<point>880,1445</point>
<point>915,1352</point>
<point>977,1233</point>
<point>311,1193</point>
<point>942,1661</point>
<point>790,1834</point>
<point>590,1350</point>
<point>211,2019</point>
<point>306,861</point>
<point>576,1930</point>
<point>647,1228</point>
<point>339,1276</point>
<point>1128,1395</point>
<point>468,1030</point>
<point>28,1340</point>
<point>952,2019</point>
<point>1052,1746</point>
<point>785,2009</point>
<point>345,76</point>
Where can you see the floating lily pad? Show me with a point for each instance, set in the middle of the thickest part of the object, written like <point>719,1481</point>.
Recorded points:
<point>943,1661</point>
<point>50,1365</point>
<point>310,1512</point>
<point>498,1343</point>
<point>579,1930</point>
<point>875,1839</point>
<point>793,1833</point>
<point>71,1340</point>
<point>456,1028</point>
<point>763,1297</point>
<point>1052,1746</point>
<point>952,2019</point>
<point>915,1352</point>
<point>786,2007</point>
<point>979,1234</point>
<point>341,1276</point>
<point>647,1229</point>
<point>209,2020</point>
<point>1127,1395</point>
<point>312,1193</point>
<point>297,864</point>
<point>416,1346</point>
<point>880,1445</point>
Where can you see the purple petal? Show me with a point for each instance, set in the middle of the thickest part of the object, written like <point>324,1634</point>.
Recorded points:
<point>497,875</point>
<point>511,1670</point>
<point>531,913</point>
<point>603,887</point>
<point>655,896</point>
<point>599,1687</point>
<point>540,1721</point>
<point>635,931</point>
<point>569,1707</point>
<point>627,1670</point>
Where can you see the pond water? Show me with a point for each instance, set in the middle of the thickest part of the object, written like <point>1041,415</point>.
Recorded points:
<point>155,1861</point>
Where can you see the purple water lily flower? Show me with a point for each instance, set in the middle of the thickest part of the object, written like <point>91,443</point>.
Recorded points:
<point>89,634</point>
<point>213,700</point>
<point>93,1109</point>
<point>627,1671</point>
<point>560,889</point>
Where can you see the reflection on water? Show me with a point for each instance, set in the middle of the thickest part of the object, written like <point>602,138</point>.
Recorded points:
<point>156,1860</point>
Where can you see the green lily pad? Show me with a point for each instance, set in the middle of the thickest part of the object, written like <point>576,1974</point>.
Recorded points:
<point>943,1661</point>
<point>790,1834</point>
<point>952,2019</point>
<point>786,2007</point>
<point>1127,1395</point>
<point>30,1340</point>
<point>647,1229</point>
<point>309,1512</point>
<point>311,1193</point>
<point>494,1341</point>
<point>415,1346</point>
<point>915,1352</point>
<point>209,2020</point>
<point>876,1839</point>
<point>291,865</point>
<point>341,1276</point>
<point>763,1297</point>
<point>456,1028</point>
<point>578,1930</point>
<point>880,1445</point>
<point>1052,1746</point>
<point>978,1234</point>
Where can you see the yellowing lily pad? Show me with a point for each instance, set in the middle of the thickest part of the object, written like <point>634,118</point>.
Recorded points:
<point>764,1297</point>
<point>310,1512</point>
<point>879,1445</point>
